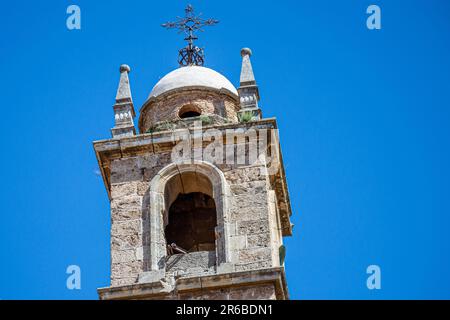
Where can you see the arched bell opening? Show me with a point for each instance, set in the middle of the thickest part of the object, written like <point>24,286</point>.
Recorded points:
<point>188,208</point>
<point>192,220</point>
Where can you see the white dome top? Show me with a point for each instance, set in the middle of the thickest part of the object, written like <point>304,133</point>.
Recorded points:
<point>192,76</point>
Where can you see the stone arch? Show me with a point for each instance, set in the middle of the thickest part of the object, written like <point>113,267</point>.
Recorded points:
<point>159,205</point>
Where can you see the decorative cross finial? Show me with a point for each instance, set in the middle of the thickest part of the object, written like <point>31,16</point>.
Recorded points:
<point>191,54</point>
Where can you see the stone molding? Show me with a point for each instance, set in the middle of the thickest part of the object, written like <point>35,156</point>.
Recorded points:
<point>191,286</point>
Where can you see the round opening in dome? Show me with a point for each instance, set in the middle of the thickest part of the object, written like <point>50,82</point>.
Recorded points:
<point>189,111</point>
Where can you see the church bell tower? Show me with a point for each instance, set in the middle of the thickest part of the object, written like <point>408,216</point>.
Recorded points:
<point>198,194</point>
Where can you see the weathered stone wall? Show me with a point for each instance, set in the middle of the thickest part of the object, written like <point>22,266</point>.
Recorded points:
<point>129,204</point>
<point>254,237</point>
<point>168,107</point>
<point>126,222</point>
<point>250,217</point>
<point>252,230</point>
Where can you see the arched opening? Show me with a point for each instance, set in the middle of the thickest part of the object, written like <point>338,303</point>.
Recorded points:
<point>191,216</point>
<point>192,221</point>
<point>189,111</point>
<point>165,187</point>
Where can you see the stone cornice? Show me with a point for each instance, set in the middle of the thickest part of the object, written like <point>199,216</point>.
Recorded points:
<point>157,290</point>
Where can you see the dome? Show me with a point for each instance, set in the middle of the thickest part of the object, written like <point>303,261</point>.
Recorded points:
<point>194,77</point>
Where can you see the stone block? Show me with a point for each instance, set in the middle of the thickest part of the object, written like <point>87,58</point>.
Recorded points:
<point>247,213</point>
<point>125,215</point>
<point>143,188</point>
<point>151,276</point>
<point>238,242</point>
<point>250,199</point>
<point>258,240</point>
<point>253,187</point>
<point>201,261</point>
<point>129,227</point>
<point>217,281</point>
<point>119,190</point>
<point>258,292</point>
<point>245,175</point>
<point>252,227</point>
<point>122,256</point>
<point>125,170</point>
<point>126,208</point>
<point>127,203</point>
<point>123,242</point>
<point>126,269</point>
<point>264,264</point>
<point>253,255</point>
<point>225,267</point>
<point>186,284</point>
<point>147,161</point>
<point>218,294</point>
<point>122,281</point>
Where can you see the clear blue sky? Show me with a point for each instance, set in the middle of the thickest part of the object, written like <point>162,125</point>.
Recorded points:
<point>364,120</point>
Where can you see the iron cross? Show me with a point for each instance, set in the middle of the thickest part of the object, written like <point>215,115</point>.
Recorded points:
<point>191,54</point>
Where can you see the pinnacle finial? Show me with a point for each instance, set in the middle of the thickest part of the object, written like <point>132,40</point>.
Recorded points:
<point>246,52</point>
<point>124,91</point>
<point>123,108</point>
<point>248,90</point>
<point>125,67</point>
<point>247,76</point>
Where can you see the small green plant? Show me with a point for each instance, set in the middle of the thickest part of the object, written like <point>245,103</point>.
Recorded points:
<point>162,126</point>
<point>206,119</point>
<point>165,125</point>
<point>245,116</point>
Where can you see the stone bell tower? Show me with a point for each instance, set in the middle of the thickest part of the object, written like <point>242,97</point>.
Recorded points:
<point>199,200</point>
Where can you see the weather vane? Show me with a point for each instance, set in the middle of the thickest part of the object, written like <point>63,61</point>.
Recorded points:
<point>191,54</point>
